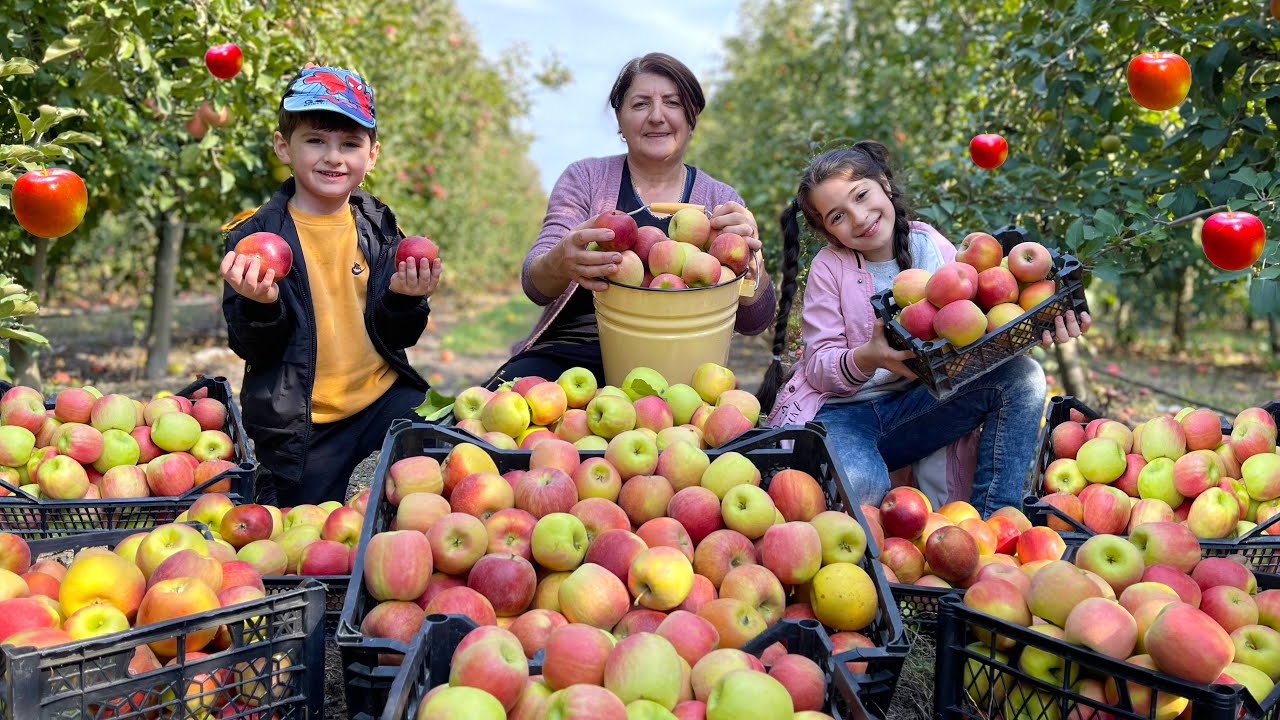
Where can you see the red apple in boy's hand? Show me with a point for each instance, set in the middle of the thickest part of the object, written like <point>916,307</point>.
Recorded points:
<point>224,61</point>
<point>49,203</point>
<point>419,248</point>
<point>271,249</point>
<point>1232,240</point>
<point>988,151</point>
<point>623,227</point>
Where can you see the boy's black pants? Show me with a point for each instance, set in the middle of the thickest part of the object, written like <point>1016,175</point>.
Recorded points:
<point>337,447</point>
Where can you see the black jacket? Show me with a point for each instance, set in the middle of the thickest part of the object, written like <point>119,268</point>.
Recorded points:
<point>278,341</point>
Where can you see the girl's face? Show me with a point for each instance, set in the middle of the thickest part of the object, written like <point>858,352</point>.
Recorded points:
<point>857,214</point>
<point>652,119</point>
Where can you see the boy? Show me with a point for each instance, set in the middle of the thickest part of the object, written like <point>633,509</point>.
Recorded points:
<point>324,346</point>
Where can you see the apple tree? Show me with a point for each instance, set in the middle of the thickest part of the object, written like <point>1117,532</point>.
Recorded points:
<point>1089,171</point>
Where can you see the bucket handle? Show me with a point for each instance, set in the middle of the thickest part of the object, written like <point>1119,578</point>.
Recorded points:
<point>756,259</point>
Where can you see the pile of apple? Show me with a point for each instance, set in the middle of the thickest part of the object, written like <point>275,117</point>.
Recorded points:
<point>691,257</point>
<point>709,412</point>
<point>979,292</point>
<point>1172,467</point>
<point>169,572</point>
<point>1149,600</point>
<point>302,540</point>
<point>634,542</point>
<point>590,675</point>
<point>953,546</point>
<point>95,446</point>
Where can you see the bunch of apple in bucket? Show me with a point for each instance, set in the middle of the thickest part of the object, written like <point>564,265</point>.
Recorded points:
<point>1179,468</point>
<point>638,573</point>
<point>95,446</point>
<point>981,291</point>
<point>167,573</point>
<point>691,257</point>
<point>710,411</point>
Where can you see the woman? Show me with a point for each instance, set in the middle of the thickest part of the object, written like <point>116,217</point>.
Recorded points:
<point>656,100</point>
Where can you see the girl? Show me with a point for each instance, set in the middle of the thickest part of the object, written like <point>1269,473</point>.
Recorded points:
<point>851,380</point>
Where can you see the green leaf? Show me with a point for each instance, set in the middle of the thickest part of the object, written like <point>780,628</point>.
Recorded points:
<point>61,48</point>
<point>50,116</point>
<point>19,154</point>
<point>1213,138</point>
<point>24,122</point>
<point>1264,297</point>
<point>1246,176</point>
<point>17,66</point>
<point>72,137</point>
<point>435,406</point>
<point>1270,273</point>
<point>1106,221</point>
<point>1230,275</point>
<point>26,336</point>
<point>228,181</point>
<point>1075,234</point>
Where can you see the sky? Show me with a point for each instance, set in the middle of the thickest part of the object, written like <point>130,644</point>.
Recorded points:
<point>593,40</point>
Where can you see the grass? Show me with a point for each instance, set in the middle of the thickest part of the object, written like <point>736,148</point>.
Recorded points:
<point>913,699</point>
<point>497,326</point>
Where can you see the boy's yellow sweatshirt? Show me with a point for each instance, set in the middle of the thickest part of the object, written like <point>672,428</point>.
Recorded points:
<point>349,375</point>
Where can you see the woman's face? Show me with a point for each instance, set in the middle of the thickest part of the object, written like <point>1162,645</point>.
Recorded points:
<point>858,214</point>
<point>652,119</point>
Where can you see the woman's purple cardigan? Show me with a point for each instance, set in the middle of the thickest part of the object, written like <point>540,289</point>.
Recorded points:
<point>589,187</point>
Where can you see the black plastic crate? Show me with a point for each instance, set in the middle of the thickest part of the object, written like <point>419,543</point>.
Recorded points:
<point>30,517</point>
<point>427,664</point>
<point>803,448</point>
<point>335,591</point>
<point>1262,551</point>
<point>944,369</point>
<point>282,634</point>
<point>918,604</point>
<point>962,674</point>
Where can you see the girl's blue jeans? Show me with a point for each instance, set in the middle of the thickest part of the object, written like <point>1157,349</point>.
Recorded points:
<point>870,438</point>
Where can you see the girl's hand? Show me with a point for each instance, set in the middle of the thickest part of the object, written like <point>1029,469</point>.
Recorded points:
<point>572,261</point>
<point>1066,327</point>
<point>876,353</point>
<point>410,279</point>
<point>733,217</point>
<point>241,273</point>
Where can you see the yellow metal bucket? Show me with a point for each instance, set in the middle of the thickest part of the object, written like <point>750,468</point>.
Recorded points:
<point>671,331</point>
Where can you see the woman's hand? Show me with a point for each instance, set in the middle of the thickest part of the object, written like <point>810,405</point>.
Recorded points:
<point>1066,327</point>
<point>876,353</point>
<point>733,217</point>
<point>241,273</point>
<point>570,260</point>
<point>410,279</point>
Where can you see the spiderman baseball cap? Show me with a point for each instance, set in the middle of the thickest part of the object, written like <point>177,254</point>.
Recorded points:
<point>332,89</point>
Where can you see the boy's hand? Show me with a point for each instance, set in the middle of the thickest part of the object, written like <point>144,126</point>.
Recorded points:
<point>241,273</point>
<point>410,279</point>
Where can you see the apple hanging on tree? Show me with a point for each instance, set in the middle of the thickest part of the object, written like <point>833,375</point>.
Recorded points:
<point>988,150</point>
<point>224,61</point>
<point>1159,80</point>
<point>1233,240</point>
<point>49,203</point>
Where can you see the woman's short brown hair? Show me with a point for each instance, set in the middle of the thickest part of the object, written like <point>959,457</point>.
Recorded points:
<point>686,83</point>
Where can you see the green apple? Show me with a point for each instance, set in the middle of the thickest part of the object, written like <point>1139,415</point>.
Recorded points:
<point>749,510</point>
<point>1045,665</point>
<point>608,415</point>
<point>559,542</point>
<point>749,694</point>
<point>175,432</point>
<point>1101,460</point>
<point>1155,482</point>
<point>118,448</point>
<point>683,400</point>
<point>643,381</point>
<point>1258,646</point>
<point>579,386</point>
<point>728,471</point>
<point>460,702</point>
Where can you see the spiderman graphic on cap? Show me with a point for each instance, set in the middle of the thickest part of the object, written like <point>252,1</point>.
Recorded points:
<point>333,89</point>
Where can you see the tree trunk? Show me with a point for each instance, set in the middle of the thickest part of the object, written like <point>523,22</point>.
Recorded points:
<point>1073,381</point>
<point>25,370</point>
<point>1124,323</point>
<point>162,295</point>
<point>1273,325</point>
<point>1181,308</point>
<point>39,272</point>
